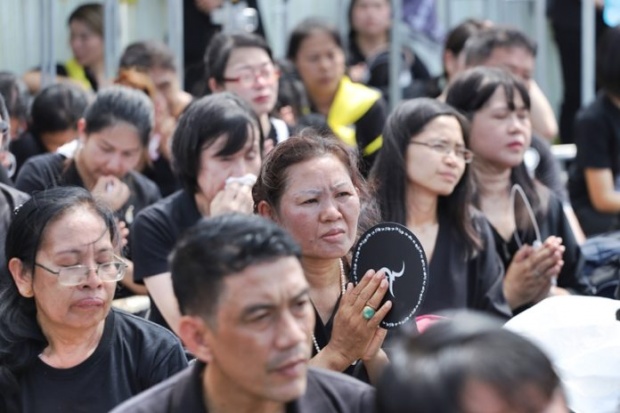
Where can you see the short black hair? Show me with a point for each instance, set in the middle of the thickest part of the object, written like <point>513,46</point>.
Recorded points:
<point>199,126</point>
<point>306,28</point>
<point>608,61</point>
<point>219,247</point>
<point>481,45</point>
<point>430,371</point>
<point>57,107</point>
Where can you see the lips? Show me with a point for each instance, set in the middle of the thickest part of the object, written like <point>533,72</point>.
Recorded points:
<point>293,368</point>
<point>89,302</point>
<point>333,232</point>
<point>262,99</point>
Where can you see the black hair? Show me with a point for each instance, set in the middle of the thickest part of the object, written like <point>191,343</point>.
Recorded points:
<point>291,90</point>
<point>481,45</point>
<point>146,55</point>
<point>14,92</point>
<point>306,28</point>
<point>470,92</point>
<point>199,126</point>
<point>432,370</point>
<point>116,104</point>
<point>91,14</point>
<point>21,338</point>
<point>458,36</point>
<point>222,45</point>
<point>4,113</point>
<point>57,108</point>
<point>389,173</point>
<point>219,247</point>
<point>608,61</point>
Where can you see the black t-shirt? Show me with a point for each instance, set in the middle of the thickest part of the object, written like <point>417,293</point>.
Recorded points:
<point>154,234</point>
<point>132,356</point>
<point>53,169</point>
<point>25,147</point>
<point>326,392</point>
<point>597,137</point>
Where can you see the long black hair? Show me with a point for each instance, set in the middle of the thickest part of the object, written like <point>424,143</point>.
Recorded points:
<point>389,173</point>
<point>21,338</point>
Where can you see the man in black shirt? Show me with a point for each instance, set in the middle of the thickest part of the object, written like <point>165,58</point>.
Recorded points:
<point>248,319</point>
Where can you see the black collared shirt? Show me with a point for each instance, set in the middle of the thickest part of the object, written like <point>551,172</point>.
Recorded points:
<point>326,392</point>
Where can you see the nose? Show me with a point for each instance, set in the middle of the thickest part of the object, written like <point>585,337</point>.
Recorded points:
<point>114,165</point>
<point>239,168</point>
<point>293,330</point>
<point>330,210</point>
<point>92,279</point>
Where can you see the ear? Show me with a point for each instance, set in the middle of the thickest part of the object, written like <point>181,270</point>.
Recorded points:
<point>81,129</point>
<point>195,334</point>
<point>214,86</point>
<point>266,211</point>
<point>21,276</point>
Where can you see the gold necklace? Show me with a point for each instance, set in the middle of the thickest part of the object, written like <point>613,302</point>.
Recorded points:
<point>343,288</point>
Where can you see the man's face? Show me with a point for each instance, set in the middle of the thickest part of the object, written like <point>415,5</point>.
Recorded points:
<point>517,60</point>
<point>259,339</point>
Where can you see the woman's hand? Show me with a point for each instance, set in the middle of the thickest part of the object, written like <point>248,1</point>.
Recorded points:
<point>532,272</point>
<point>111,191</point>
<point>353,336</point>
<point>235,197</point>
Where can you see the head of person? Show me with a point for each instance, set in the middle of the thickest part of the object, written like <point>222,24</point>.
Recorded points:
<point>114,133</point>
<point>157,60</point>
<point>311,185</point>
<point>425,153</point>
<point>61,250</point>
<point>497,105</point>
<point>315,48</point>
<point>371,18</point>
<point>242,63</point>
<point>86,34</point>
<point>453,56</point>
<point>469,364</point>
<point>608,62</point>
<point>292,103</point>
<point>217,137</point>
<point>14,92</point>
<point>505,47</point>
<point>245,305</point>
<point>55,113</point>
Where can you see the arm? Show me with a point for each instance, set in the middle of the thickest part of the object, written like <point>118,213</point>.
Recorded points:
<point>601,190</point>
<point>161,292</point>
<point>542,116</point>
<point>128,281</point>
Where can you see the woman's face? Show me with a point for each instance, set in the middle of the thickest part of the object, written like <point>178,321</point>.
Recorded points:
<point>215,169</point>
<point>320,207</point>
<point>429,168</point>
<point>371,17</point>
<point>252,76</point>
<point>500,135</point>
<point>320,63</point>
<point>113,151</point>
<point>78,237</point>
<point>86,45</point>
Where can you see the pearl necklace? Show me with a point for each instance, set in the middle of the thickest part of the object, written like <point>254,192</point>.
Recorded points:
<point>343,288</point>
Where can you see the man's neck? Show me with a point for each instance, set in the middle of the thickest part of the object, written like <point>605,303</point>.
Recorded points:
<point>222,396</point>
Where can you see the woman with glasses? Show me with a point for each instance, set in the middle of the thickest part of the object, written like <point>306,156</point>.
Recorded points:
<point>354,112</point>
<point>497,105</point>
<point>242,63</point>
<point>63,348</point>
<point>423,181</point>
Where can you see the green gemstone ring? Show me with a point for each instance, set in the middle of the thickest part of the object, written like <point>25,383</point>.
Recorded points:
<point>368,312</point>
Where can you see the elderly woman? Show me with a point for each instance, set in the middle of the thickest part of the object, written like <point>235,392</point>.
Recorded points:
<point>311,186</point>
<point>62,347</point>
<point>423,181</point>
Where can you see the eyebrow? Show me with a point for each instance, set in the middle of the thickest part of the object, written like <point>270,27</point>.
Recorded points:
<point>252,308</point>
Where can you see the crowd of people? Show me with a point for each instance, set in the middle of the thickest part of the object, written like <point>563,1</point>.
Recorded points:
<point>235,214</point>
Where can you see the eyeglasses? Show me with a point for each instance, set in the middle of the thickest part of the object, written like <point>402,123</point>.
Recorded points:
<point>445,148</point>
<point>248,76</point>
<point>78,274</point>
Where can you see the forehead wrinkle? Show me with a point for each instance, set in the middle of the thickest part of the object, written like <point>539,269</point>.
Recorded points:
<point>86,245</point>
